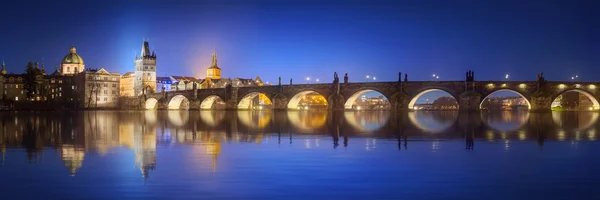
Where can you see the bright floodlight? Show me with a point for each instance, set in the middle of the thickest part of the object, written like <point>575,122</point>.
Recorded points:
<point>506,77</point>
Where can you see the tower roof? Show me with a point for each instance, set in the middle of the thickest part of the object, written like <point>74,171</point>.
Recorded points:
<point>214,60</point>
<point>72,57</point>
<point>146,50</point>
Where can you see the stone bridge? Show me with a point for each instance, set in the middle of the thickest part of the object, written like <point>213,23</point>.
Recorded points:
<point>402,95</point>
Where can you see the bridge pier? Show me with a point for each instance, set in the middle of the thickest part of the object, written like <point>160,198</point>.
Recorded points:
<point>195,104</point>
<point>469,101</point>
<point>541,104</point>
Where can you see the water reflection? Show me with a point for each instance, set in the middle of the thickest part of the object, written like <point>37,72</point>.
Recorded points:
<point>73,135</point>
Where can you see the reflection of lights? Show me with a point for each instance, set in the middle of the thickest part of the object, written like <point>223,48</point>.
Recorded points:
<point>561,135</point>
<point>592,134</point>
<point>307,144</point>
<point>506,145</point>
<point>490,135</point>
<point>522,135</point>
<point>435,145</point>
<point>503,136</point>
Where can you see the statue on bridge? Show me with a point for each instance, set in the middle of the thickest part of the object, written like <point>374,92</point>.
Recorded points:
<point>405,77</point>
<point>346,78</point>
<point>336,80</point>
<point>470,76</point>
<point>290,81</point>
<point>280,81</point>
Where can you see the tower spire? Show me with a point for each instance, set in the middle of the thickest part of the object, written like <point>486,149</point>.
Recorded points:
<point>214,57</point>
<point>3,66</point>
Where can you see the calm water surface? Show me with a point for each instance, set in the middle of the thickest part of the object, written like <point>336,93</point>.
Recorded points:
<point>299,155</point>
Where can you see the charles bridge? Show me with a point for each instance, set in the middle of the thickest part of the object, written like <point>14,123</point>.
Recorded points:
<point>401,94</point>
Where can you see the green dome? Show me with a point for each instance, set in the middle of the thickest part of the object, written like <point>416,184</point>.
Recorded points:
<point>72,57</point>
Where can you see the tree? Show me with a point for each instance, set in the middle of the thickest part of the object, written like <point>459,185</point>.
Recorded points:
<point>29,81</point>
<point>93,92</point>
<point>445,103</point>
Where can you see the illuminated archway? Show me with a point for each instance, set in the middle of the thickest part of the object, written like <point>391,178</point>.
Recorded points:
<point>594,102</point>
<point>433,122</point>
<point>151,104</point>
<point>505,90</point>
<point>353,102</point>
<point>179,102</point>
<point>255,100</point>
<point>300,101</point>
<point>212,102</point>
<point>367,121</point>
<point>413,101</point>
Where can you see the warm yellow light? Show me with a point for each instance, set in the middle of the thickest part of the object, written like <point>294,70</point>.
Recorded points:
<point>592,87</point>
<point>522,85</point>
<point>490,85</point>
<point>504,85</point>
<point>561,86</point>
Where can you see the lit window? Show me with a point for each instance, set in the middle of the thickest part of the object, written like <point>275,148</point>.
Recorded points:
<point>72,87</point>
<point>17,85</point>
<point>16,98</point>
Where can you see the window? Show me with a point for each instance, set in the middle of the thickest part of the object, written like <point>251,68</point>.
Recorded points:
<point>145,67</point>
<point>105,91</point>
<point>72,87</point>
<point>114,85</point>
<point>52,80</point>
<point>97,77</point>
<point>59,81</point>
<point>52,90</point>
<point>114,79</point>
<point>16,98</point>
<point>106,78</point>
<point>76,69</point>
<point>105,99</point>
<point>59,88</point>
<point>106,85</point>
<point>97,98</point>
<point>68,69</point>
<point>21,91</point>
<point>114,92</point>
<point>17,85</point>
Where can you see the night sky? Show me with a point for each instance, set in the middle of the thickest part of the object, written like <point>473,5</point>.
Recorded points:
<point>299,39</point>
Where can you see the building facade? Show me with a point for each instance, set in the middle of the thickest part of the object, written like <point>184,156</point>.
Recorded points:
<point>145,71</point>
<point>100,88</point>
<point>127,84</point>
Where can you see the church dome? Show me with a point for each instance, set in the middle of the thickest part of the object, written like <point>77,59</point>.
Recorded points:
<point>72,57</point>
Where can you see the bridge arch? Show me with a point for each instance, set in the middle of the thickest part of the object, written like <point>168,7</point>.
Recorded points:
<point>505,90</point>
<point>594,100</point>
<point>293,103</point>
<point>246,103</point>
<point>209,103</point>
<point>179,102</point>
<point>414,99</point>
<point>151,104</point>
<point>352,99</point>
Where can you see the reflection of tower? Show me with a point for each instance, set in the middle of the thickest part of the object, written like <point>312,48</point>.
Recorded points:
<point>214,150</point>
<point>145,150</point>
<point>72,157</point>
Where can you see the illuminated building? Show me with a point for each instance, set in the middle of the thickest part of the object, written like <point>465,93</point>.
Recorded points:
<point>72,63</point>
<point>145,71</point>
<point>213,78</point>
<point>163,83</point>
<point>371,103</point>
<point>126,84</point>
<point>52,88</point>
<point>213,72</point>
<point>100,88</point>
<point>312,100</point>
<point>72,157</point>
<point>145,149</point>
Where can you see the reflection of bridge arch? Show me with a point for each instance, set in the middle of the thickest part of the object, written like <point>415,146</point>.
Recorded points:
<point>212,118</point>
<point>506,90</point>
<point>307,120</point>
<point>179,102</point>
<point>209,102</point>
<point>151,104</point>
<point>414,99</point>
<point>295,100</point>
<point>246,102</point>
<point>582,120</point>
<point>509,121</point>
<point>368,121</point>
<point>255,119</point>
<point>150,116</point>
<point>350,101</point>
<point>595,104</point>
<point>426,120</point>
<point>178,118</point>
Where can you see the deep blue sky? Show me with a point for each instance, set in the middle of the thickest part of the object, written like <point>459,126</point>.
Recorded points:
<point>296,40</point>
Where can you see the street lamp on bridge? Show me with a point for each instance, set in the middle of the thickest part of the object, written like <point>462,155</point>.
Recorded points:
<point>308,79</point>
<point>506,76</point>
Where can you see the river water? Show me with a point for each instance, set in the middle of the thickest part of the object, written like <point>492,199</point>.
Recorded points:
<point>299,155</point>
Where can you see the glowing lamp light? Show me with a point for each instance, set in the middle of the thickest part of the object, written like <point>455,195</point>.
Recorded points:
<point>504,85</point>
<point>561,86</point>
<point>592,87</point>
<point>522,85</point>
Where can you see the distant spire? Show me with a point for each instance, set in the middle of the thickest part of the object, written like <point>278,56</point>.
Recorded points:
<point>145,50</point>
<point>3,66</point>
<point>214,57</point>
<point>37,65</point>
